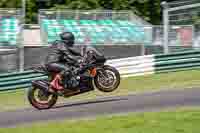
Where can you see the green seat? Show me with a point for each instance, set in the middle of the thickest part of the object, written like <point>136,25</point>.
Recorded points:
<point>125,23</point>
<point>84,22</point>
<point>91,22</point>
<point>9,28</point>
<point>50,21</point>
<point>105,22</point>
<point>72,29</point>
<point>68,22</point>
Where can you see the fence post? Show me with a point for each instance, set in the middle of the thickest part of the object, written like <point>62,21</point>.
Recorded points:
<point>21,49</point>
<point>143,50</point>
<point>24,10</point>
<point>166,26</point>
<point>21,58</point>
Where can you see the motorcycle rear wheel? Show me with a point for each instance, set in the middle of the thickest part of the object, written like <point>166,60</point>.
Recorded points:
<point>40,99</point>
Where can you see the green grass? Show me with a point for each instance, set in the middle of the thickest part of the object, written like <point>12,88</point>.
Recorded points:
<point>13,100</point>
<point>179,80</point>
<point>178,121</point>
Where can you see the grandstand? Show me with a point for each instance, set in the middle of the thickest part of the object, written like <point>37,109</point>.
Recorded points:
<point>100,27</point>
<point>10,27</point>
<point>11,39</point>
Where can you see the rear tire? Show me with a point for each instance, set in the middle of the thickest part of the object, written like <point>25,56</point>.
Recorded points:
<point>38,104</point>
<point>115,85</point>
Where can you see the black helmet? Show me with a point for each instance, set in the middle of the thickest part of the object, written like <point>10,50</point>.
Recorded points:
<point>68,38</point>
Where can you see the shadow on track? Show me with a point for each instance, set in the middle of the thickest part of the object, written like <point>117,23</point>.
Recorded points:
<point>89,102</point>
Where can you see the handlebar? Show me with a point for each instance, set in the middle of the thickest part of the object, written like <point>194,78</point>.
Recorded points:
<point>40,69</point>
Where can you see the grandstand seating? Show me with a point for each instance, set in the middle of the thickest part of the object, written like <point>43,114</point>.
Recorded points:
<point>99,31</point>
<point>9,31</point>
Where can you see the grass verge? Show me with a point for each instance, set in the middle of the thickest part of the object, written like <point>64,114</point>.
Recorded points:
<point>178,121</point>
<point>182,79</point>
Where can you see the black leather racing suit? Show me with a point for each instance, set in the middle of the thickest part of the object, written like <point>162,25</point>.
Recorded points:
<point>62,59</point>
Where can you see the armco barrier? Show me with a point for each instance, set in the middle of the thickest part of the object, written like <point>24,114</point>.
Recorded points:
<point>18,80</point>
<point>177,61</point>
<point>132,66</point>
<point>151,64</point>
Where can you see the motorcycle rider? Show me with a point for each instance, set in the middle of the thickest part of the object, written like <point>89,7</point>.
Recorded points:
<point>57,59</point>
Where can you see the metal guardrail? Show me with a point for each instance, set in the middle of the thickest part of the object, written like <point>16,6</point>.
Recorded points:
<point>18,80</point>
<point>177,61</point>
<point>132,66</point>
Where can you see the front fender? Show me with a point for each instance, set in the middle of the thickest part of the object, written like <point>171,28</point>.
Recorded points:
<point>41,84</point>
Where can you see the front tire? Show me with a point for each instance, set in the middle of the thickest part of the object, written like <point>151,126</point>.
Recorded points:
<point>104,86</point>
<point>40,100</point>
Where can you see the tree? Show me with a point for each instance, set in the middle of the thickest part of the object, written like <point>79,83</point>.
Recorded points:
<point>10,3</point>
<point>31,11</point>
<point>150,10</point>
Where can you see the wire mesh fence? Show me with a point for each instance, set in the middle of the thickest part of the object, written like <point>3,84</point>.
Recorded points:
<point>185,12</point>
<point>85,14</point>
<point>179,3</point>
<point>109,28</point>
<point>181,35</point>
<point>184,17</point>
<point>106,24</point>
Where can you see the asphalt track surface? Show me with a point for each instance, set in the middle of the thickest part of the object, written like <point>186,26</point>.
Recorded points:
<point>153,101</point>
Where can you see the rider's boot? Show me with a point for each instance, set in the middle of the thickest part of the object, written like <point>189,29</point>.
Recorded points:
<point>64,80</point>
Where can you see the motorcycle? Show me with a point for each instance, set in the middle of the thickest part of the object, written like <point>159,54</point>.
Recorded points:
<point>96,75</point>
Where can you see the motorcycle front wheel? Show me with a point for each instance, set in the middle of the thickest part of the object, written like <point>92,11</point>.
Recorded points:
<point>108,79</point>
<point>40,99</point>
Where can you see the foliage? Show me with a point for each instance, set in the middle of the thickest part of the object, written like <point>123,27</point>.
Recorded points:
<point>150,10</point>
<point>10,3</point>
